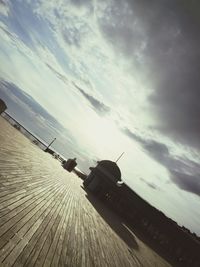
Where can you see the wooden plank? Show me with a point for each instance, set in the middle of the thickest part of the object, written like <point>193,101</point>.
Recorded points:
<point>13,209</point>
<point>39,252</point>
<point>12,226</point>
<point>52,256</point>
<point>37,237</point>
<point>31,194</point>
<point>61,244</point>
<point>23,236</point>
<point>65,235</point>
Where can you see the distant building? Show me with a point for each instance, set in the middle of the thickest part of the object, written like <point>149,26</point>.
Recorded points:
<point>3,106</point>
<point>69,165</point>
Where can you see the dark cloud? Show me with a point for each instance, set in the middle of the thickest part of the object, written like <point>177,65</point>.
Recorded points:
<point>10,35</point>
<point>151,185</point>
<point>187,182</point>
<point>163,38</point>
<point>177,167</point>
<point>58,74</point>
<point>98,106</point>
<point>3,3</point>
<point>156,149</point>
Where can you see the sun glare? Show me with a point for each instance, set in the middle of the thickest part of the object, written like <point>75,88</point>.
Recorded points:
<point>104,136</point>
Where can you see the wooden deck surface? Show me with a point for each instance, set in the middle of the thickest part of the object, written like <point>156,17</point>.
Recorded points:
<point>47,219</point>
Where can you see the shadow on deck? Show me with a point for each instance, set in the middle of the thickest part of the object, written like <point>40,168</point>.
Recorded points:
<point>113,221</point>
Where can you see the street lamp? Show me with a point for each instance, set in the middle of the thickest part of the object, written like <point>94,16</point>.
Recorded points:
<point>50,144</point>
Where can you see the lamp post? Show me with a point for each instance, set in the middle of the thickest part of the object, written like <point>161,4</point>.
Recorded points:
<point>50,144</point>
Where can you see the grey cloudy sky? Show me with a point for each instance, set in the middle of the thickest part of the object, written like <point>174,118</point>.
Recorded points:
<point>119,76</point>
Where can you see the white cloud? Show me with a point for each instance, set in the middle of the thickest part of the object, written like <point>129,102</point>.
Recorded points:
<point>4,7</point>
<point>92,59</point>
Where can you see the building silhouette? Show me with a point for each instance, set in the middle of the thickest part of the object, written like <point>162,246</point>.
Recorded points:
<point>176,243</point>
<point>3,106</point>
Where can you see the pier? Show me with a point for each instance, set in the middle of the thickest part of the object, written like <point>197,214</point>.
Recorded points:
<point>48,219</point>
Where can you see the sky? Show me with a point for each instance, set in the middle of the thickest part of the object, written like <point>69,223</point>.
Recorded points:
<point>119,76</point>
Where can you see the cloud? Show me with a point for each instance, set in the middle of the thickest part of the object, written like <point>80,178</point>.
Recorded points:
<point>58,74</point>
<point>98,106</point>
<point>149,184</point>
<point>187,182</point>
<point>156,149</point>
<point>4,7</point>
<point>162,39</point>
<point>183,172</point>
<point>27,103</point>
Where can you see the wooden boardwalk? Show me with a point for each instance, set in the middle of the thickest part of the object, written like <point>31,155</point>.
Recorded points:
<point>47,219</point>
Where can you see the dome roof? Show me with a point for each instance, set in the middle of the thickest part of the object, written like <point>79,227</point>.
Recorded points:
<point>111,168</point>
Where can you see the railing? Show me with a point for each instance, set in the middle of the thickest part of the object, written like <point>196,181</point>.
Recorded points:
<point>23,130</point>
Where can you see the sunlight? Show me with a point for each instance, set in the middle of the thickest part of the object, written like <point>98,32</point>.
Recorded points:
<point>103,137</point>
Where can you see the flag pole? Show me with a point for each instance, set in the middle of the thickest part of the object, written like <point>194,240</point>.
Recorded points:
<point>119,157</point>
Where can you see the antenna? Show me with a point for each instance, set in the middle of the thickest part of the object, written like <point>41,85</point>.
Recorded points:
<point>119,157</point>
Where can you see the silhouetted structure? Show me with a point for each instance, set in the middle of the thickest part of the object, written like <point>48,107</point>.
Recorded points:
<point>181,246</point>
<point>103,177</point>
<point>49,150</point>
<point>69,165</point>
<point>17,127</point>
<point>3,106</point>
